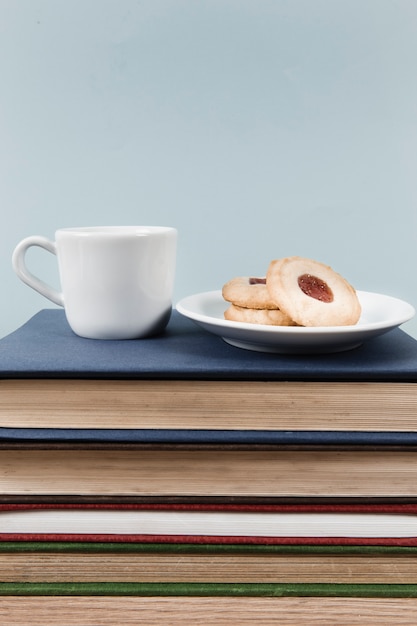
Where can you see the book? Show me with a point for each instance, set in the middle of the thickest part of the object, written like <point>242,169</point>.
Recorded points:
<point>180,411</point>
<point>46,347</point>
<point>214,590</point>
<point>190,387</point>
<point>208,472</point>
<point>225,550</point>
<point>224,524</point>
<point>60,562</point>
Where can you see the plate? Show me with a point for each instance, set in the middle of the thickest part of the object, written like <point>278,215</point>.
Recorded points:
<point>380,314</point>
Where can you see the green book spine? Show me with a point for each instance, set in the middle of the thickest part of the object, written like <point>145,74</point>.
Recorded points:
<point>209,589</point>
<point>208,548</point>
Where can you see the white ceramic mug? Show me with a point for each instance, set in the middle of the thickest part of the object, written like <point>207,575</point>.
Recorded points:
<point>116,281</point>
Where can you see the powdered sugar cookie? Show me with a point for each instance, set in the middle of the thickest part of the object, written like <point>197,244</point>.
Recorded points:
<point>270,317</point>
<point>248,292</point>
<point>311,293</point>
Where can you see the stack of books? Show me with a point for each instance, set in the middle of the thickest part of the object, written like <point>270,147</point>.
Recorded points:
<point>180,466</point>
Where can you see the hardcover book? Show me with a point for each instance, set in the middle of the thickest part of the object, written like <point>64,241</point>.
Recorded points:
<point>189,387</point>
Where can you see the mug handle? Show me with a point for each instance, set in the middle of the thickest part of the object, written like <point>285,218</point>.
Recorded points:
<point>19,266</point>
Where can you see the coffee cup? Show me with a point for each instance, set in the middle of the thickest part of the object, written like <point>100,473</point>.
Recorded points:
<point>116,281</point>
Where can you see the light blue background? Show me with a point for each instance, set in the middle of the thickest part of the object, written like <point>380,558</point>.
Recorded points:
<point>259,128</point>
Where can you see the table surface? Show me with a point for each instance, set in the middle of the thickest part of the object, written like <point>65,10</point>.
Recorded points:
<point>90,611</point>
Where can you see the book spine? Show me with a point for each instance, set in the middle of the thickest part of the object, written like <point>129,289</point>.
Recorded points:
<point>210,589</point>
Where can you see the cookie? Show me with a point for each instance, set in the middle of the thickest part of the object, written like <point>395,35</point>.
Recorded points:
<point>270,317</point>
<point>248,292</point>
<point>311,293</point>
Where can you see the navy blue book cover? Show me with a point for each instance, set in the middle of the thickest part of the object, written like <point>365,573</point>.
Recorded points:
<point>46,347</point>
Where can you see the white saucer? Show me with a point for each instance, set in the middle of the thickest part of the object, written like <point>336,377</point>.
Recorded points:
<point>379,315</point>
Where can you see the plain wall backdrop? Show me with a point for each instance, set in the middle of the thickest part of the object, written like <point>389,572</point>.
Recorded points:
<point>259,128</point>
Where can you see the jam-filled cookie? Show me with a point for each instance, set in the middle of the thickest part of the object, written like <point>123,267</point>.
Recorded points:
<point>248,292</point>
<point>311,293</point>
<point>270,317</point>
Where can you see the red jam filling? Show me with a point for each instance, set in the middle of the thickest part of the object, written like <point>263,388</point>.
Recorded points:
<point>257,281</point>
<point>315,288</point>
